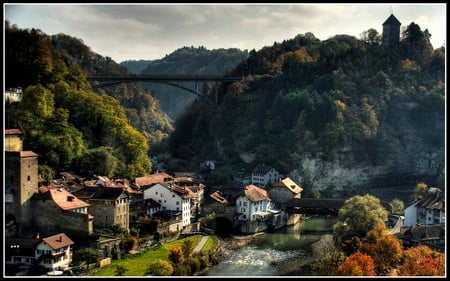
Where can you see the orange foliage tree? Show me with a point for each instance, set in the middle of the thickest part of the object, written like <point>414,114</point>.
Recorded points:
<point>385,249</point>
<point>357,264</point>
<point>176,255</point>
<point>422,261</point>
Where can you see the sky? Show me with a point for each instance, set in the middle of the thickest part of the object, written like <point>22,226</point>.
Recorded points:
<point>152,31</point>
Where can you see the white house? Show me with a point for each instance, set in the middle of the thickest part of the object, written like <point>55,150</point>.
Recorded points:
<point>263,175</point>
<point>253,204</point>
<point>171,198</point>
<point>54,252</point>
<point>430,209</point>
<point>284,190</point>
<point>14,95</point>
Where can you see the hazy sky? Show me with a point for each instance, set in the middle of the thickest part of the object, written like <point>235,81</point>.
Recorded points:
<point>151,31</point>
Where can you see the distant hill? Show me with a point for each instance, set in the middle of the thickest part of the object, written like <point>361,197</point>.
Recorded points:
<point>189,60</point>
<point>135,66</point>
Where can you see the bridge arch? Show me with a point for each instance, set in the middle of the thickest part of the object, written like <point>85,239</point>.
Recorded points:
<point>164,79</point>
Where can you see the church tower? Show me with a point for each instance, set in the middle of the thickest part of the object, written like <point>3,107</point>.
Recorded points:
<point>391,32</point>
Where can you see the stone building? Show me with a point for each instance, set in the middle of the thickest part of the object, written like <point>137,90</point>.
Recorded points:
<point>21,183</point>
<point>109,206</point>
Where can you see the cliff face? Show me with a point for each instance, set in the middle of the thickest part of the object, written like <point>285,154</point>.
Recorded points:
<point>409,153</point>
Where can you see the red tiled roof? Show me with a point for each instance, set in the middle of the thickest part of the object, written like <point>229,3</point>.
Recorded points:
<point>218,198</point>
<point>61,197</point>
<point>152,179</point>
<point>255,194</point>
<point>13,132</point>
<point>58,241</point>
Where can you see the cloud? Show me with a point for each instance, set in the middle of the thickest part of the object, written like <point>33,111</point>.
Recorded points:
<point>151,31</point>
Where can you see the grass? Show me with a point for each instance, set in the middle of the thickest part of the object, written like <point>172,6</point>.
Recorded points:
<point>139,264</point>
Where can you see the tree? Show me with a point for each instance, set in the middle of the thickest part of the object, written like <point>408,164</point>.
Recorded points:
<point>328,263</point>
<point>420,190</point>
<point>385,249</point>
<point>397,206</point>
<point>87,255</point>
<point>357,264</point>
<point>176,255</point>
<point>371,37</point>
<point>356,217</point>
<point>422,261</point>
<point>187,249</point>
<point>160,268</point>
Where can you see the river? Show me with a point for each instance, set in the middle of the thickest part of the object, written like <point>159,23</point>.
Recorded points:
<point>255,255</point>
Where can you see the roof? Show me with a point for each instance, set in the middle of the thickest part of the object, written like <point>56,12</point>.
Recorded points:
<point>20,246</point>
<point>61,197</point>
<point>21,154</point>
<point>183,192</point>
<point>99,193</point>
<point>58,241</point>
<point>216,196</point>
<point>261,169</point>
<point>255,194</point>
<point>392,20</point>
<point>152,179</point>
<point>433,199</point>
<point>13,132</point>
<point>289,184</point>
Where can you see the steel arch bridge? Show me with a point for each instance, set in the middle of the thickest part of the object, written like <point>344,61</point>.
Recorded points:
<point>171,80</point>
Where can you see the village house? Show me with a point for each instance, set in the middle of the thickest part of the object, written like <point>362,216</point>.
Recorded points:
<point>253,204</point>
<point>254,212</point>
<point>109,206</point>
<point>13,95</point>
<point>263,175</point>
<point>13,140</point>
<point>50,253</point>
<point>430,209</point>
<point>58,210</point>
<point>424,221</point>
<point>284,190</point>
<point>172,198</point>
<point>54,252</point>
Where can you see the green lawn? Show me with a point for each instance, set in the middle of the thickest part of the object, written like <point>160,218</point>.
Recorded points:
<point>139,264</point>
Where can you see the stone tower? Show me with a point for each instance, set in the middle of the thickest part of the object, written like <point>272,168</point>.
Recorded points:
<point>21,183</point>
<point>391,32</point>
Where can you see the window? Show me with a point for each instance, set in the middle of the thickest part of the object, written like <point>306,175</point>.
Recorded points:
<point>178,203</point>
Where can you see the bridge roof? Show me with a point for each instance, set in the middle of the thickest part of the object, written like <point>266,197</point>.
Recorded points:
<point>315,203</point>
<point>324,203</point>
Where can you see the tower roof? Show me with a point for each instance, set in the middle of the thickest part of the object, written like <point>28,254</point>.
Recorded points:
<point>392,20</point>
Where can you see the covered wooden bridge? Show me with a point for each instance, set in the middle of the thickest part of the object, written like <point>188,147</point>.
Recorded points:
<point>312,206</point>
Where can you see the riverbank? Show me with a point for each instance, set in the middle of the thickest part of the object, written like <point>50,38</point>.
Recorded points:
<point>301,264</point>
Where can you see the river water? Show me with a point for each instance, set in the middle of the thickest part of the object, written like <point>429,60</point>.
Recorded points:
<point>255,257</point>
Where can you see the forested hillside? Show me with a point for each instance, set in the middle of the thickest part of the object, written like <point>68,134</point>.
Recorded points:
<point>335,115</point>
<point>109,132</point>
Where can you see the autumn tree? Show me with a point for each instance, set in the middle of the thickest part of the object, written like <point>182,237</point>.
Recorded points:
<point>357,264</point>
<point>356,217</point>
<point>420,190</point>
<point>385,249</point>
<point>328,263</point>
<point>176,255</point>
<point>422,261</point>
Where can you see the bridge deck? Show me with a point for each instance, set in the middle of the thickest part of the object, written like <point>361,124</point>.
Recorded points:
<point>163,77</point>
